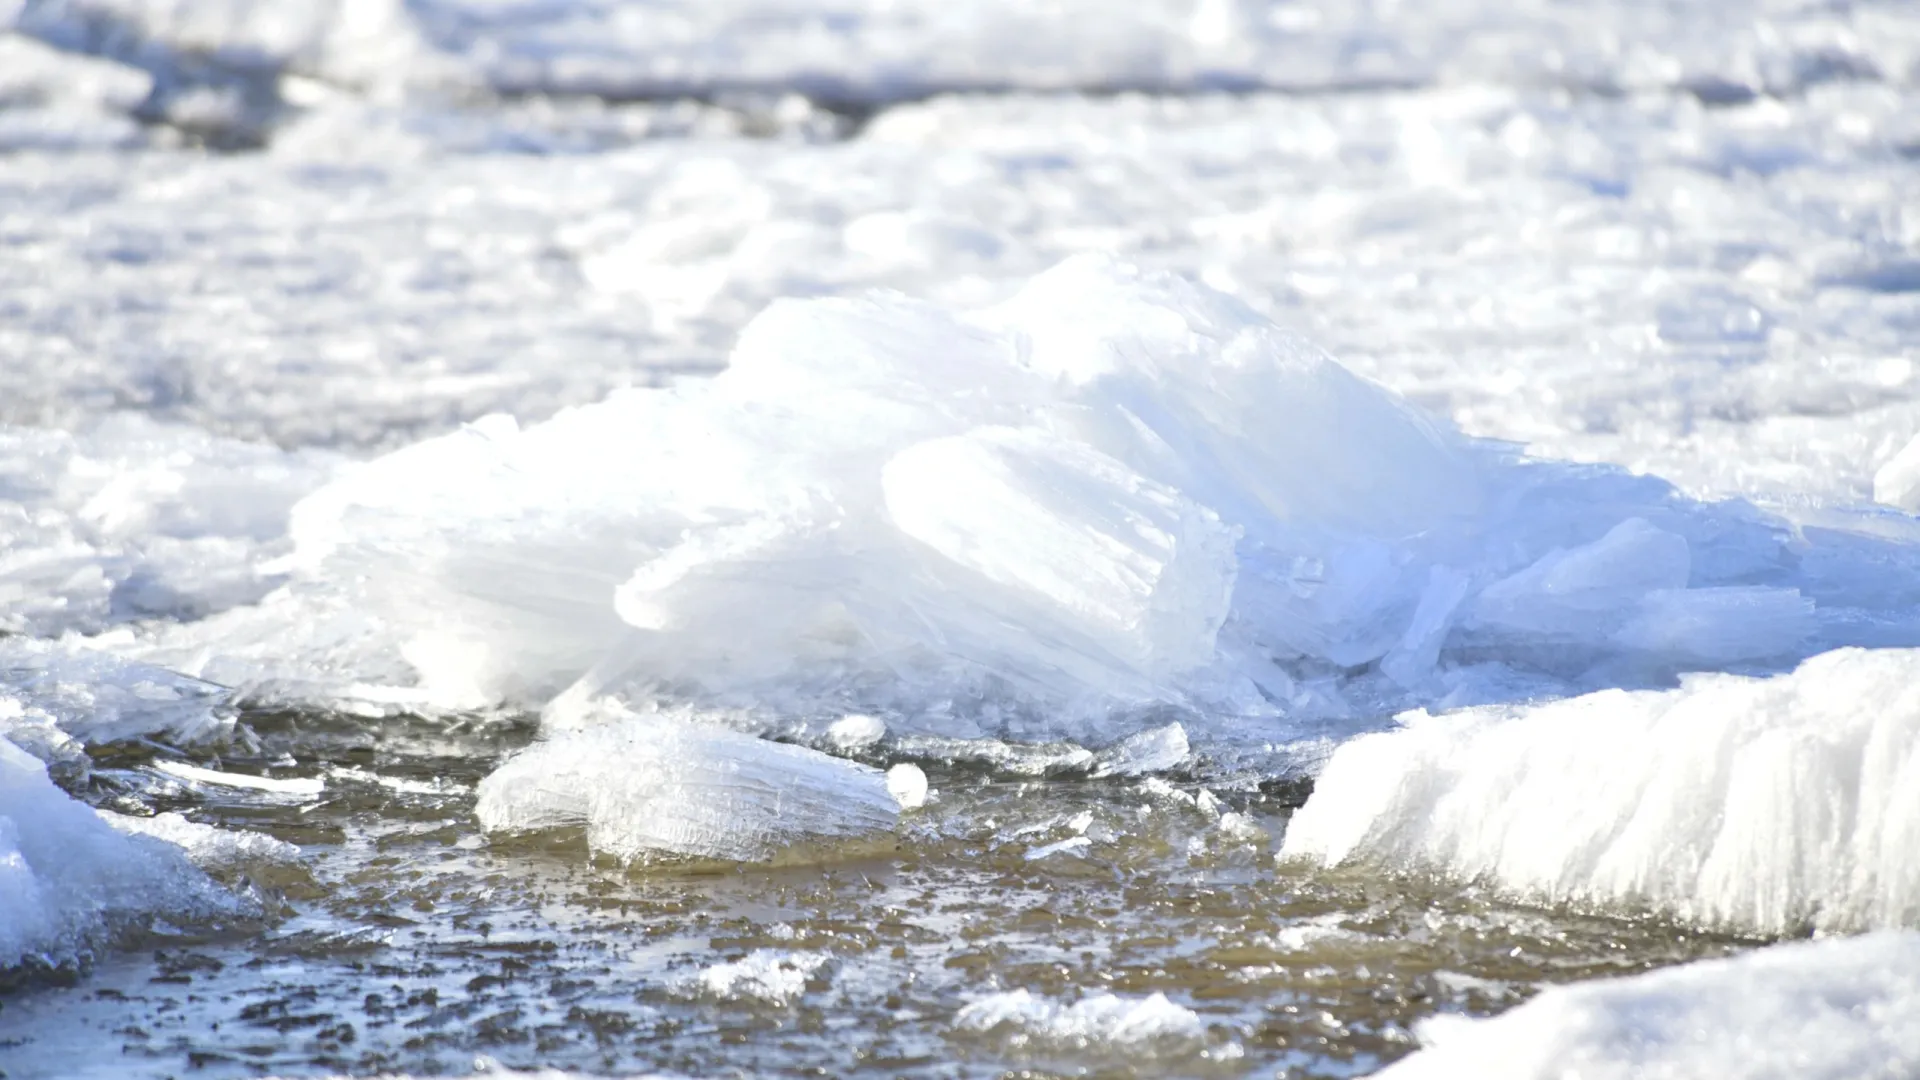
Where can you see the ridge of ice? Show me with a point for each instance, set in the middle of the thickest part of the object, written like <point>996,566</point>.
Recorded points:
<point>207,846</point>
<point>1833,1009</point>
<point>1769,805</point>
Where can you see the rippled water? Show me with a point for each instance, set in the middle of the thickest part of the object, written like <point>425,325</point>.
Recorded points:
<point>408,942</point>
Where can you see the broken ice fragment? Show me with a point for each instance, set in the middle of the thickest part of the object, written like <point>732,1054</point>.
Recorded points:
<point>656,785</point>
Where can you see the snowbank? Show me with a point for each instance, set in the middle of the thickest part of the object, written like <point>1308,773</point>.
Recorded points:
<point>1769,805</point>
<point>71,883</point>
<point>1827,1010</point>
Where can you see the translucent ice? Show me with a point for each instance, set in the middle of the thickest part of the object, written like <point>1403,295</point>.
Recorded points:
<point>663,785</point>
<point>1115,493</point>
<point>95,697</point>
<point>1774,805</point>
<point>71,883</point>
<point>1897,483</point>
<point>1846,1009</point>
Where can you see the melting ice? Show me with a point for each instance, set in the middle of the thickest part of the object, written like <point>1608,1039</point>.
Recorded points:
<point>1117,499</point>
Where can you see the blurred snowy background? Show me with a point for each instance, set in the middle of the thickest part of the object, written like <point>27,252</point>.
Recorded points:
<point>1683,237</point>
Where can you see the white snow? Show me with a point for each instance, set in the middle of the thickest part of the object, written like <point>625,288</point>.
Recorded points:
<point>131,519</point>
<point>1835,1009</point>
<point>71,883</point>
<point>869,51</point>
<point>1768,805</point>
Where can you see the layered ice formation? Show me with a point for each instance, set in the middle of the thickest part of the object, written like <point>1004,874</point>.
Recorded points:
<point>1114,494</point>
<point>1775,805</point>
<point>71,882</point>
<point>1825,1010</point>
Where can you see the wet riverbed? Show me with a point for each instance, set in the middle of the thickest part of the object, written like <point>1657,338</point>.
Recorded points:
<point>406,941</point>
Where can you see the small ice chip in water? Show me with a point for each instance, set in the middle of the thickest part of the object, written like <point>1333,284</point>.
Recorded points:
<point>908,785</point>
<point>856,731</point>
<point>293,787</point>
<point>1154,750</point>
<point>773,976</point>
<point>1095,1021</point>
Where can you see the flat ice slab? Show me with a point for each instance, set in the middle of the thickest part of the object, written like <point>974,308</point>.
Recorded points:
<point>1774,805</point>
<point>1845,1009</point>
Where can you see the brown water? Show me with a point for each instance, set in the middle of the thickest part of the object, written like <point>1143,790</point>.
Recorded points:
<point>406,942</point>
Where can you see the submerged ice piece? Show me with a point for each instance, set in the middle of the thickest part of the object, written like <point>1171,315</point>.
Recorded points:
<point>651,785</point>
<point>1773,805</point>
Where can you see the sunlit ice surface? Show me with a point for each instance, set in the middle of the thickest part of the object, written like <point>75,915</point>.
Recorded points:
<point>934,692</point>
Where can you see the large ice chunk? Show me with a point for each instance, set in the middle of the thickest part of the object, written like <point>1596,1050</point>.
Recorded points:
<point>1827,1010</point>
<point>1115,492</point>
<point>1774,805</point>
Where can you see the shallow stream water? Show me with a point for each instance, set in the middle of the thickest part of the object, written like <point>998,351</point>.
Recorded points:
<point>408,942</point>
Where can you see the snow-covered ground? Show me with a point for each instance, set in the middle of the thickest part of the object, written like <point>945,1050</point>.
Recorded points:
<point>354,356</point>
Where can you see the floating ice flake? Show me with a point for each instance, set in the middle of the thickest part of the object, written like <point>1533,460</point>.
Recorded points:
<point>774,976</point>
